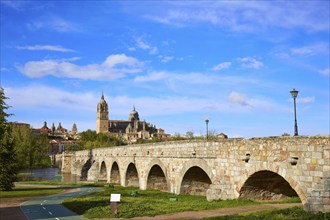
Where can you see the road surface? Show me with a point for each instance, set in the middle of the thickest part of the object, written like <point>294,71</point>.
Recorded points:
<point>50,207</point>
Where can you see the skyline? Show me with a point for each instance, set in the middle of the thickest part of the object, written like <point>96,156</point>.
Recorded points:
<point>177,62</point>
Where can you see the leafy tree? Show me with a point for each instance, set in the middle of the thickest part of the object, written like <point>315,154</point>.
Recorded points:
<point>90,140</point>
<point>177,137</point>
<point>88,135</point>
<point>190,135</point>
<point>8,160</point>
<point>32,149</point>
<point>212,135</point>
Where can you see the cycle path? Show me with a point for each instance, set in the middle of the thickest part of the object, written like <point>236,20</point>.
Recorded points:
<point>50,207</point>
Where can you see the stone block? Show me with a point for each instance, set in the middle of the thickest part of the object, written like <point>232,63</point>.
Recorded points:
<point>326,208</point>
<point>317,155</point>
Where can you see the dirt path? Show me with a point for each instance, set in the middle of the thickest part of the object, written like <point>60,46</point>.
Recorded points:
<point>10,208</point>
<point>193,215</point>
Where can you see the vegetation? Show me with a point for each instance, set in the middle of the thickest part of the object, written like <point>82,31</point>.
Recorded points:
<point>28,191</point>
<point>294,199</point>
<point>8,159</point>
<point>145,203</point>
<point>31,148</point>
<point>90,140</point>
<point>295,213</point>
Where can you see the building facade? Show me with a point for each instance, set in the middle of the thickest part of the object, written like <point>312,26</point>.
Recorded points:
<point>130,130</point>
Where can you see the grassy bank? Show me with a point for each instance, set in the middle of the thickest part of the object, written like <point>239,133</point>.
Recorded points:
<point>28,191</point>
<point>296,213</point>
<point>145,203</point>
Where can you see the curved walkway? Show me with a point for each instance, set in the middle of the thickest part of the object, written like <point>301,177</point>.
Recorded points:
<point>50,207</point>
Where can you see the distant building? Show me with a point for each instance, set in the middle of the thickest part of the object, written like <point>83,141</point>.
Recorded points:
<point>59,132</point>
<point>222,136</point>
<point>130,130</point>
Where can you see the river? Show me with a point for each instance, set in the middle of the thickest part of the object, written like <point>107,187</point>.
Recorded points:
<point>49,174</point>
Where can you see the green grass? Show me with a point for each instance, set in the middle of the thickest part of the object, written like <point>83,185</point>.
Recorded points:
<point>27,192</point>
<point>295,213</point>
<point>34,188</point>
<point>288,200</point>
<point>146,203</point>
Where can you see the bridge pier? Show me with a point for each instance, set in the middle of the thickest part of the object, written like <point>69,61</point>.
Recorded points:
<point>223,191</point>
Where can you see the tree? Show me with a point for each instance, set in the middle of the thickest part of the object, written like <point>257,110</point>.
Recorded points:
<point>8,160</point>
<point>177,137</point>
<point>32,149</point>
<point>190,135</point>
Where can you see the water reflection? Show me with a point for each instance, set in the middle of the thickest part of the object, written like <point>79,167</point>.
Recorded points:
<point>48,174</point>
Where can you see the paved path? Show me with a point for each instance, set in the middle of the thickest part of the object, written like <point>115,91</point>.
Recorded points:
<point>49,207</point>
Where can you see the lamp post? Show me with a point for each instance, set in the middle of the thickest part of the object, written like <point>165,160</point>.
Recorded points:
<point>294,94</point>
<point>207,128</point>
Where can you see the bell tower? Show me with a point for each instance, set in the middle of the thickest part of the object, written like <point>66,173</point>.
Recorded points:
<point>102,116</point>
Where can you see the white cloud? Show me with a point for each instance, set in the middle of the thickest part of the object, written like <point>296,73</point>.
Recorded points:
<point>325,72</point>
<point>180,78</point>
<point>250,62</point>
<point>140,43</point>
<point>152,76</point>
<point>238,98</point>
<point>38,96</point>
<point>3,69</point>
<point>17,5</point>
<point>246,15</point>
<point>54,23</point>
<point>311,50</point>
<point>114,67</point>
<point>220,66</point>
<point>45,47</point>
<point>165,59</point>
<point>306,100</point>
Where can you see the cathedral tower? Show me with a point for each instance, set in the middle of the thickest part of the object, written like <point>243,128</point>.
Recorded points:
<point>102,119</point>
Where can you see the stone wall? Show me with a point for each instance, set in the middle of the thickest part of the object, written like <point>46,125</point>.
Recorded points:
<point>303,162</point>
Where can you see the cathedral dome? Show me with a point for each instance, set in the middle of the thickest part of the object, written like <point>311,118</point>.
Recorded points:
<point>134,115</point>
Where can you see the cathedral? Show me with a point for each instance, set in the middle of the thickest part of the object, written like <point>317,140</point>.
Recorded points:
<point>130,130</point>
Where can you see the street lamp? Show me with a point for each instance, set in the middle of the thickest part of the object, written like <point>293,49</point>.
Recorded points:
<point>294,94</point>
<point>207,128</point>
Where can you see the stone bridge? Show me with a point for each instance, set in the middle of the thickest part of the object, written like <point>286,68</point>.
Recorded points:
<point>269,168</point>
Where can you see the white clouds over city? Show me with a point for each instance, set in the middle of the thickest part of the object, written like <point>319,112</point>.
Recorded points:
<point>114,67</point>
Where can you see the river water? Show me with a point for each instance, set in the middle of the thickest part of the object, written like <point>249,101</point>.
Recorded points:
<point>49,174</point>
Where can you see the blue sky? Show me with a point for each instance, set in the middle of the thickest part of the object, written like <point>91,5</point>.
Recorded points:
<point>177,62</point>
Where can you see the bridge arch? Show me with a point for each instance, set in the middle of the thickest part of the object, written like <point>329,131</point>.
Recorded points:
<point>194,178</point>
<point>267,184</point>
<point>132,176</point>
<point>115,173</point>
<point>157,176</point>
<point>103,171</point>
